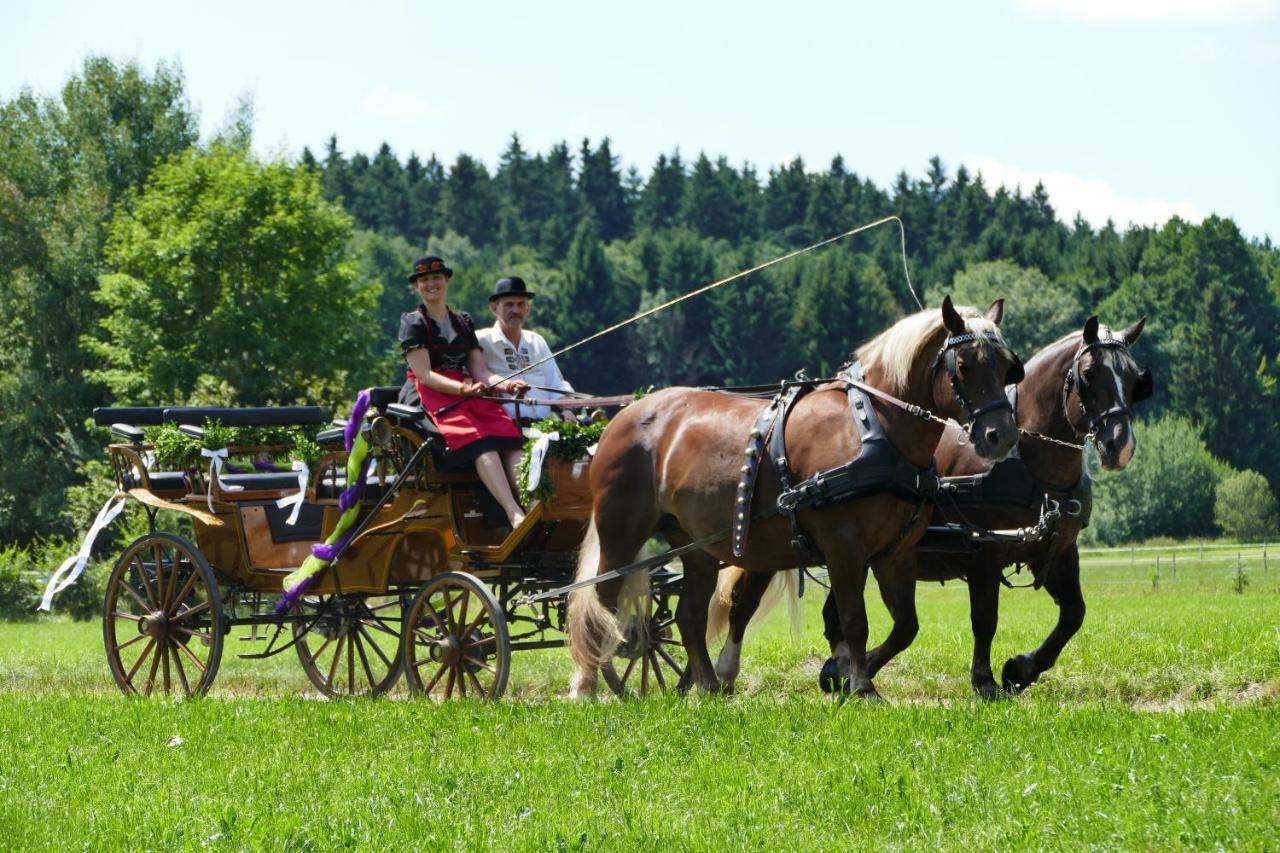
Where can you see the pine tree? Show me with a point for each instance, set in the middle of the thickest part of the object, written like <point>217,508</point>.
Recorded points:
<point>470,203</point>
<point>601,191</point>
<point>663,195</point>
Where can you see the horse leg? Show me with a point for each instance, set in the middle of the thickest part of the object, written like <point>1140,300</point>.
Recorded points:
<point>700,570</point>
<point>747,593</point>
<point>984,613</point>
<point>1062,581</point>
<point>593,627</point>
<point>897,582</point>
<point>835,670</point>
<point>848,583</point>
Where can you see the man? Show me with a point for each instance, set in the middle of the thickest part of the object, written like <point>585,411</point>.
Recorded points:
<point>508,346</point>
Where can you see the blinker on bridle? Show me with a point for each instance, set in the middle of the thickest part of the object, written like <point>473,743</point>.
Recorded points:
<point>1076,380</point>
<point>947,356</point>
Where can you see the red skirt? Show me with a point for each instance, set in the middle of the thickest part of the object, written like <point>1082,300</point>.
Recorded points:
<point>472,421</point>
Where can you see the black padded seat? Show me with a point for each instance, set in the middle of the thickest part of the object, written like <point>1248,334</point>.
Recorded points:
<point>382,395</point>
<point>330,488</point>
<point>248,416</point>
<point>334,435</point>
<point>132,415</point>
<point>161,481</point>
<point>266,480</point>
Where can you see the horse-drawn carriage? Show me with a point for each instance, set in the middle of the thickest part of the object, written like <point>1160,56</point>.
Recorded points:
<point>409,571</point>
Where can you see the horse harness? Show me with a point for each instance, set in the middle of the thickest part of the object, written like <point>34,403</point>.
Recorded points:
<point>878,468</point>
<point>1142,388</point>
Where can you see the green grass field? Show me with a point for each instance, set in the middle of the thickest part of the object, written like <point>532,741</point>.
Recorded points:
<point>1157,728</point>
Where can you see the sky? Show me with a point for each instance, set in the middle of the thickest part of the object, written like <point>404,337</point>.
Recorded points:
<point>1133,110</point>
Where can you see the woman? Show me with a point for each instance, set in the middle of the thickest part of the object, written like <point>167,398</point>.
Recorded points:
<point>446,367</point>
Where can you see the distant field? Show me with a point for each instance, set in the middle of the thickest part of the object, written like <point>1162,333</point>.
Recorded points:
<point>1157,728</point>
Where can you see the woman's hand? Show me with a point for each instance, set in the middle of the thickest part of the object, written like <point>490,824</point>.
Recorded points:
<point>471,388</point>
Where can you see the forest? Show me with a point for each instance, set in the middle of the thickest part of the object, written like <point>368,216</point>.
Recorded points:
<point>142,264</point>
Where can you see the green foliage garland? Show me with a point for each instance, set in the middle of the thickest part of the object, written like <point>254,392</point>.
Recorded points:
<point>572,446</point>
<point>175,450</point>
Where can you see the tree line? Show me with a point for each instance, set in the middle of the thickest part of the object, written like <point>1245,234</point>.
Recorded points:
<point>142,265</point>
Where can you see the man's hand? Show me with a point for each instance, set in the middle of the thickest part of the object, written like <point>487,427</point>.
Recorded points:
<point>515,387</point>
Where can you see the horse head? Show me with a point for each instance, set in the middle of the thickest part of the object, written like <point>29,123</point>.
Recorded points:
<point>970,372</point>
<point>1101,386</point>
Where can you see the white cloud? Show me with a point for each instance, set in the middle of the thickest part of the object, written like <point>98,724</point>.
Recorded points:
<point>1094,198</point>
<point>383,102</point>
<point>1182,11</point>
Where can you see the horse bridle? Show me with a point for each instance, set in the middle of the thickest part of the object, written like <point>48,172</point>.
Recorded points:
<point>1142,388</point>
<point>947,356</point>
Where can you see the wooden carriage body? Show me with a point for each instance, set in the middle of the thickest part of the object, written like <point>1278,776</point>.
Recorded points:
<point>425,540</point>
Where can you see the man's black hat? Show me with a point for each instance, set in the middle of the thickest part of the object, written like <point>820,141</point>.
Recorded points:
<point>429,264</point>
<point>512,285</point>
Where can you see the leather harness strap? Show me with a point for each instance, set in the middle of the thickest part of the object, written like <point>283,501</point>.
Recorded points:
<point>877,468</point>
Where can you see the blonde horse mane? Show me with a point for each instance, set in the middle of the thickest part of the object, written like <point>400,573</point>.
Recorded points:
<point>898,347</point>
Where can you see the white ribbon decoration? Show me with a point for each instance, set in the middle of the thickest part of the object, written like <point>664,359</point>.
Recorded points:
<point>215,474</point>
<point>71,569</point>
<point>542,440</point>
<point>298,498</point>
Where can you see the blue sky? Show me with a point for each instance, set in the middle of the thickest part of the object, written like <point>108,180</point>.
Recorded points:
<point>1133,109</point>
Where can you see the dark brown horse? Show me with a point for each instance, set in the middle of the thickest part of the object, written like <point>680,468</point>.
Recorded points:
<point>1079,388</point>
<point>672,464</point>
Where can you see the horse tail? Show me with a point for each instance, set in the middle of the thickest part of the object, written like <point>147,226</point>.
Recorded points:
<point>593,631</point>
<point>784,586</point>
<point>722,603</point>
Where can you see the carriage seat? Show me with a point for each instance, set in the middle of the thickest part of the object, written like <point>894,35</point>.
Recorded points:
<point>415,418</point>
<point>160,481</point>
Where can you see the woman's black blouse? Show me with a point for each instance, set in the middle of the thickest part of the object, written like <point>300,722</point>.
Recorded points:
<point>419,331</point>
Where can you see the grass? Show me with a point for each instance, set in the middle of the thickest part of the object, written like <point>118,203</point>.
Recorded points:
<point>1156,729</point>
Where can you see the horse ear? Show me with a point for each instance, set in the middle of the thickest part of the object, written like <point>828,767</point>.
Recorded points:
<point>1091,330</point>
<point>950,318</point>
<point>995,313</point>
<point>1131,334</point>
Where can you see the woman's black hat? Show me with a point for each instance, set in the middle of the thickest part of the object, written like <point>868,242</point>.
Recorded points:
<point>512,285</point>
<point>429,264</point>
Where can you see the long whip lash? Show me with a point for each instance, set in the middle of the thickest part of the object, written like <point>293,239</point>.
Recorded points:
<point>705,288</point>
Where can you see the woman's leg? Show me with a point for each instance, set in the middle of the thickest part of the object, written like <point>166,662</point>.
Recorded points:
<point>509,460</point>
<point>494,476</point>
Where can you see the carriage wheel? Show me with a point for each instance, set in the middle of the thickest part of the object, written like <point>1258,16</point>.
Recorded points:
<point>652,662</point>
<point>349,645</point>
<point>455,640</point>
<point>162,619</point>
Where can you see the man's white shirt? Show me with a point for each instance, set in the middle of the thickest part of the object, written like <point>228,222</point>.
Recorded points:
<point>503,358</point>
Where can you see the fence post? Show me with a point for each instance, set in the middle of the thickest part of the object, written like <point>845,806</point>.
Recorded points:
<point>1264,558</point>
<point>1202,551</point>
<point>1175,566</point>
<point>1131,556</point>
<point>1240,582</point>
<point>1155,576</point>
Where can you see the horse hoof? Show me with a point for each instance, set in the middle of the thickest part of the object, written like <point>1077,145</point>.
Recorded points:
<point>869,694</point>
<point>1018,673</point>
<point>987,690</point>
<point>829,678</point>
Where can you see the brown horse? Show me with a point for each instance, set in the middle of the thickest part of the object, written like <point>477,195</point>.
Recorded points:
<point>1081,387</point>
<point>672,464</point>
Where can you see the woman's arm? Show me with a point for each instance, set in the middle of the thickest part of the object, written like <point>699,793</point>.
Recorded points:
<point>420,363</point>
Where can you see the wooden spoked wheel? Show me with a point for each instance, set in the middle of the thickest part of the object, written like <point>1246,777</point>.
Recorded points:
<point>349,645</point>
<point>162,618</point>
<point>455,640</point>
<point>652,661</point>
